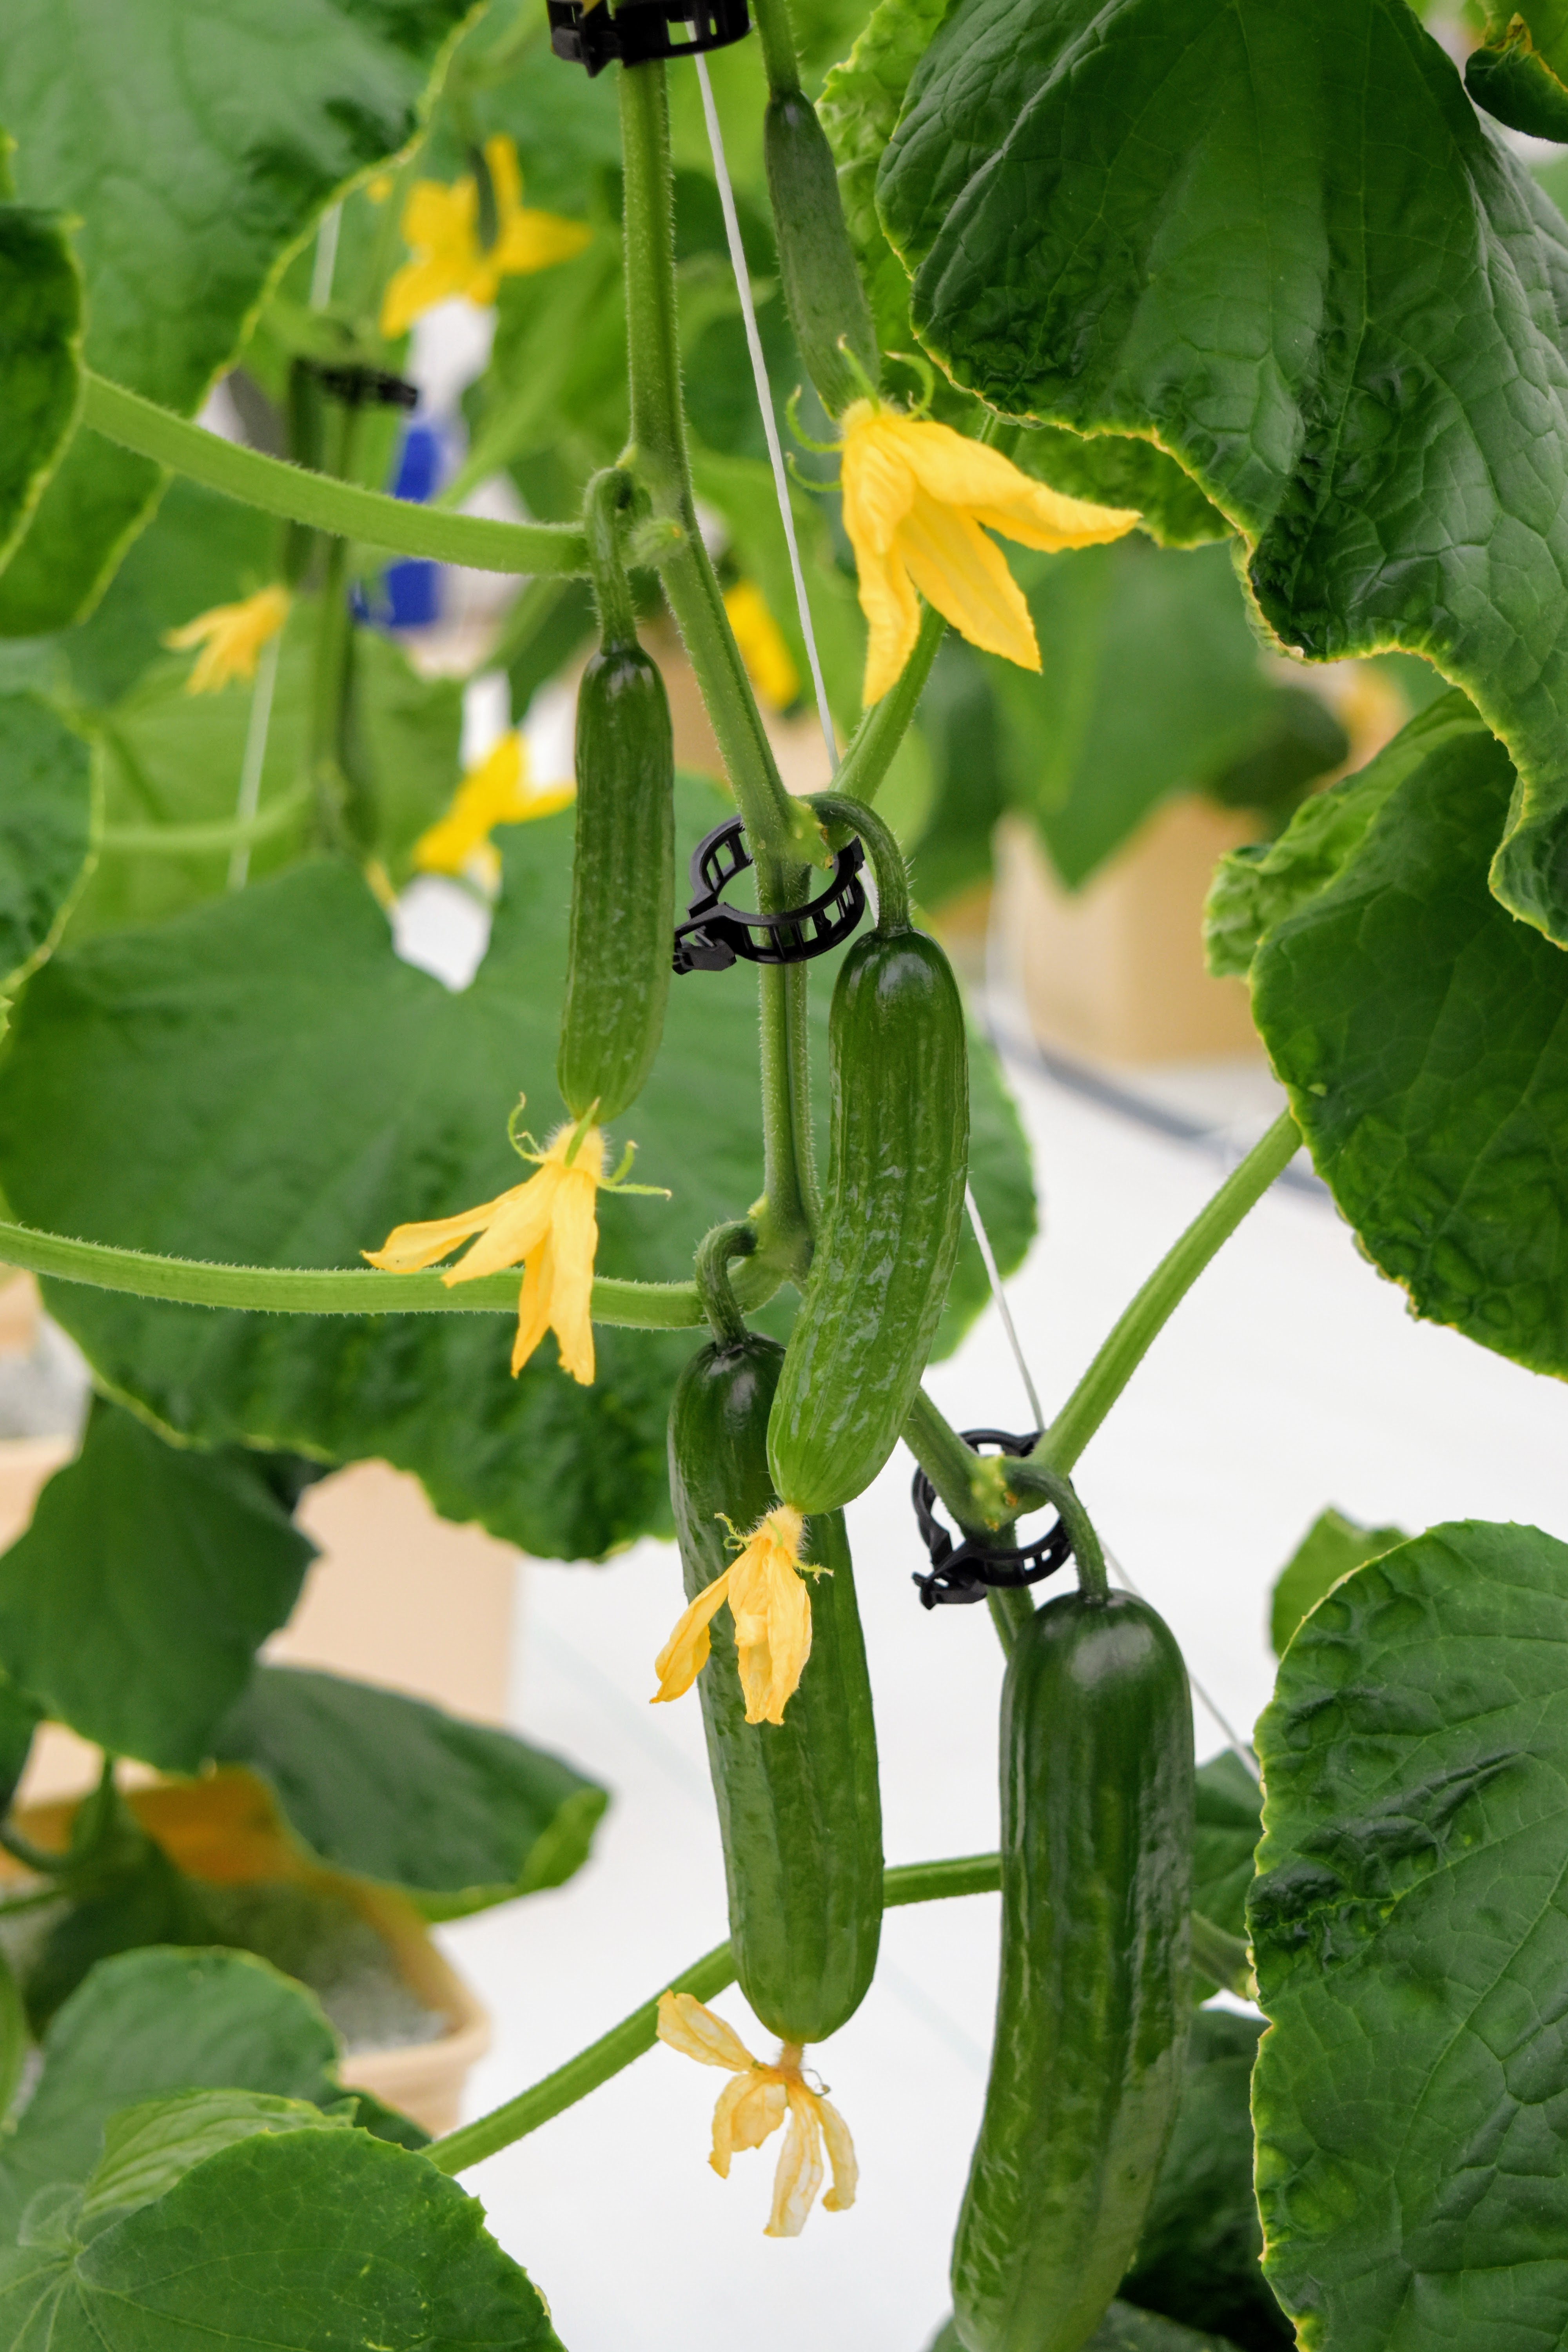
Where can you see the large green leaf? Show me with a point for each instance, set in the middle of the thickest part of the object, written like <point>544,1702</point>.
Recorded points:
<point>195,149</point>
<point>1227,1804</point>
<point>45,830</point>
<point>148,2147</point>
<point>1278,243</point>
<point>148,2023</point>
<point>1521,72</point>
<point>262,1081</point>
<point>1125,2328</point>
<point>457,1814</point>
<point>1411,1937</point>
<point>285,2241</point>
<point>1331,1547</point>
<point>1199,2254</point>
<point>40,332</point>
<point>1420,1031</point>
<point>133,1605</point>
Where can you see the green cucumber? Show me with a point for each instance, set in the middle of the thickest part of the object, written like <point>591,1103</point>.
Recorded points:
<point>898,1091</point>
<point>623,872</point>
<point>799,1809</point>
<point>1094,2003</point>
<point>822,287</point>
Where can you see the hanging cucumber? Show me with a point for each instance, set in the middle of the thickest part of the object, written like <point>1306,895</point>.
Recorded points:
<point>799,1809</point>
<point>822,287</point>
<point>898,1094</point>
<point>1094,2001</point>
<point>623,874</point>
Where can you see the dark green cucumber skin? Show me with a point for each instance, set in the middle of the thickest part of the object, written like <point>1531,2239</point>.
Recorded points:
<point>623,884</point>
<point>822,287</point>
<point>1095,2001</point>
<point>800,1810</point>
<point>898,1094</point>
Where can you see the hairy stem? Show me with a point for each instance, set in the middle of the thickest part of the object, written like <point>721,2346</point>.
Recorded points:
<point>780,60</point>
<point>887,858</point>
<point>870,753</point>
<point>719,1303</point>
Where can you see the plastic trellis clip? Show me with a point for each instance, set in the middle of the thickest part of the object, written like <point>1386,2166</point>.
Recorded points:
<point>364,387</point>
<point>714,935</point>
<point>966,1571</point>
<point>641,29</point>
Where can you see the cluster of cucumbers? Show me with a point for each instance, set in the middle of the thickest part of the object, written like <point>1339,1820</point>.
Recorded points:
<point>1096,1739</point>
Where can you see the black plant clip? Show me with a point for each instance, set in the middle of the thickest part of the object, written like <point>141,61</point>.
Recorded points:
<point>715,935</point>
<point>967,1571</point>
<point>364,387</point>
<point>641,29</point>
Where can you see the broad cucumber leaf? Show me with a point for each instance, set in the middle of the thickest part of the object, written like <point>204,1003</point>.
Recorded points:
<point>1412,1943</point>
<point>1198,2258</point>
<point>1229,1806</point>
<point>147,2148</point>
<point>1112,469</point>
<point>45,831</point>
<point>1331,1547</point>
<point>196,148</point>
<point>133,1605</point>
<point>149,2023</point>
<point>858,107</point>
<point>1125,2328</point>
<point>1279,244</point>
<point>40,305</point>
<point>299,2240</point>
<point>1520,71</point>
<point>455,1813</point>
<point>1419,1030</point>
<point>261,1081</point>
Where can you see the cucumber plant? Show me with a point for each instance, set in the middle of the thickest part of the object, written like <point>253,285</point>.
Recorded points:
<point>1232,325</point>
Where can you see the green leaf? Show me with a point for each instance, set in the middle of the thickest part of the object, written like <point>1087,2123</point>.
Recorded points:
<point>1411,1947</point>
<point>1112,470</point>
<point>1279,243</point>
<point>1520,73</point>
<point>283,2241</point>
<point>134,1603</point>
<point>1228,1805</point>
<point>1420,1032</point>
<point>1125,2328</point>
<point>147,2148</point>
<point>858,107</point>
<point>455,1813</point>
<point>193,167</point>
<point>1198,2257</point>
<point>1256,887</point>
<point>1331,1547</point>
<point>45,831</point>
<point>146,1064</point>
<point>40,305</point>
<point>149,2023</point>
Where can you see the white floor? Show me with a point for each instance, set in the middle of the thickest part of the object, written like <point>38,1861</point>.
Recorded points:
<point>1290,1379</point>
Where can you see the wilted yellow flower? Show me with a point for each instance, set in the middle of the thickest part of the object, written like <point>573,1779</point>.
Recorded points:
<point>916,497</point>
<point>755,2103</point>
<point>772,1607</point>
<point>231,636</point>
<point>498,791</point>
<point>440,225</point>
<point>770,665</point>
<point>549,1226</point>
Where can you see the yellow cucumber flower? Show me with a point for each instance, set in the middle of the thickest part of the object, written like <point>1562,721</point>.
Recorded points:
<point>770,665</point>
<point>549,1226</point>
<point>755,2103</point>
<point>440,225</point>
<point>498,791</point>
<point>231,637</point>
<point>765,1588</point>
<point>917,501</point>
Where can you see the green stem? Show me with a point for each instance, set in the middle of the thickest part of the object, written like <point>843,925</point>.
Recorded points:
<point>870,749</point>
<point>1037,1480</point>
<point>714,1288</point>
<point>357,1290</point>
<point>198,840</point>
<point>333,652</point>
<point>604,503</point>
<point>369,517</point>
<point>964,1479</point>
<point>1011,1610</point>
<point>780,59</point>
<point>1223,1956</point>
<point>887,858</point>
<point>922,1881</point>
<point>1168,1284</point>
<point>774,822</point>
<point>788,1217</point>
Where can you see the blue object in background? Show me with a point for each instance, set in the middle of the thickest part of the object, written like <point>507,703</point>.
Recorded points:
<point>412,587</point>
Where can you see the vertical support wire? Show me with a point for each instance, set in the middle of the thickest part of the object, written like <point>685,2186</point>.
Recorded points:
<point>765,403</point>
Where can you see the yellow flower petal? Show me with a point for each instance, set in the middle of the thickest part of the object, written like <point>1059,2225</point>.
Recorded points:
<point>840,2155</point>
<point>533,1305</point>
<point>965,576</point>
<point>770,665</point>
<point>232,636</point>
<point>687,2026</point>
<point>575,1239</point>
<point>772,1610</point>
<point>758,2110</point>
<point>684,1653</point>
<point>892,610</point>
<point>800,2168</point>
<point>519,1225</point>
<point>505,171</point>
<point>409,1248</point>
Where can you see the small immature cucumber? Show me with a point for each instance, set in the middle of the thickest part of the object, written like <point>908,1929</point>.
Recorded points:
<point>799,1809</point>
<point>899,1091</point>
<point>623,872</point>
<point>1094,2003</point>
<point>822,286</point>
